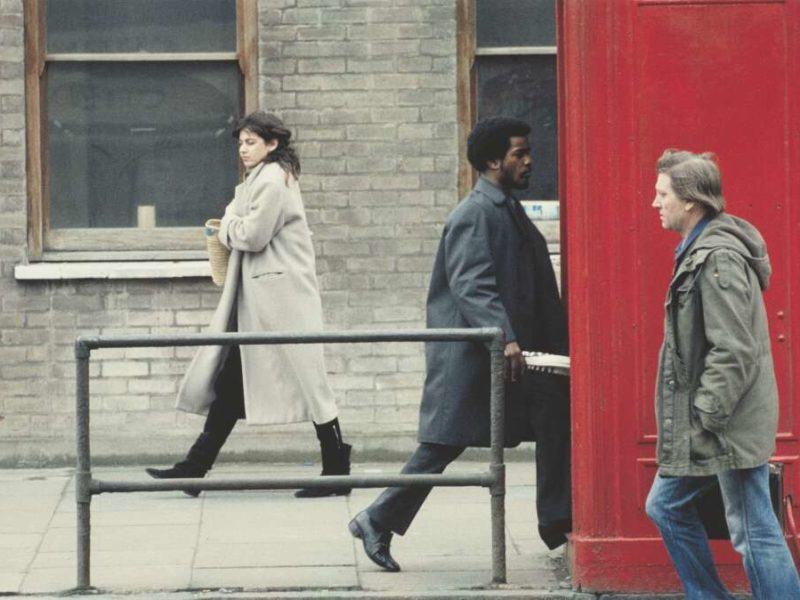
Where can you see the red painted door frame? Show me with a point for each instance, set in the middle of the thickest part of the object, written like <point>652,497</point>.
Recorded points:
<point>636,77</point>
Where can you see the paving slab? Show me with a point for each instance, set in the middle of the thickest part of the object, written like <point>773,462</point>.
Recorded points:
<point>105,558</point>
<point>140,537</point>
<point>283,578</point>
<point>16,560</point>
<point>10,582</point>
<point>272,554</point>
<point>115,518</point>
<point>20,541</point>
<point>116,577</point>
<point>415,581</point>
<point>24,521</point>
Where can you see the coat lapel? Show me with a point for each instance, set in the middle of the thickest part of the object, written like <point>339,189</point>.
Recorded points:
<point>526,229</point>
<point>521,220</point>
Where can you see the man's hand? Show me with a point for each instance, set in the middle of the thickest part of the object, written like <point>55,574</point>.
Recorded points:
<point>515,362</point>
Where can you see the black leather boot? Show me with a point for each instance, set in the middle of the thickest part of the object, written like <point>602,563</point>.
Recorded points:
<point>335,460</point>
<point>197,463</point>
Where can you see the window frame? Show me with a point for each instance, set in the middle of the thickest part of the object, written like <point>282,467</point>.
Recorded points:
<point>87,244</point>
<point>468,53</point>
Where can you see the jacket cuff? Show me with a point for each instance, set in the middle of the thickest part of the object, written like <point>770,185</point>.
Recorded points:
<point>222,235</point>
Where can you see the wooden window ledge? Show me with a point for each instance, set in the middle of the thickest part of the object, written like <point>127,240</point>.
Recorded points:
<point>51,271</point>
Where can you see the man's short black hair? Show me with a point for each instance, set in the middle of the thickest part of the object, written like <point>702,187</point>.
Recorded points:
<point>490,139</point>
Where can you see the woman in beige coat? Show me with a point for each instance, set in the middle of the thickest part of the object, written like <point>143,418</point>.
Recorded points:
<point>271,285</point>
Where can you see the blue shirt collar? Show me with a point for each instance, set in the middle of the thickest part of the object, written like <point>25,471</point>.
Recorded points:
<point>689,239</point>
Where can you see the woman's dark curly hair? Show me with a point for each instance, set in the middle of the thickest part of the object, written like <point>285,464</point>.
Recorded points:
<point>269,127</point>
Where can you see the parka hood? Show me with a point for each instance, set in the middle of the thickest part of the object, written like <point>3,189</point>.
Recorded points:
<point>740,236</point>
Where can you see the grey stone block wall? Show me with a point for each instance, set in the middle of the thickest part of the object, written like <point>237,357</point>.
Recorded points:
<point>368,86</point>
<point>23,368</point>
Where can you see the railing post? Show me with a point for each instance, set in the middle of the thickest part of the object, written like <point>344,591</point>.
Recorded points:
<point>83,474</point>
<point>497,467</point>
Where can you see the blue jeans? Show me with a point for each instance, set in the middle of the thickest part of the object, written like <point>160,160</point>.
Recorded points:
<point>755,534</point>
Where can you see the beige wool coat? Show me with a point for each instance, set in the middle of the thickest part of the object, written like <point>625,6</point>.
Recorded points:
<point>271,285</point>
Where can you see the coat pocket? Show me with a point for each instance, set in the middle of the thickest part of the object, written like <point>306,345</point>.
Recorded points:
<point>268,275</point>
<point>709,414</point>
<point>704,444</point>
<point>684,295</point>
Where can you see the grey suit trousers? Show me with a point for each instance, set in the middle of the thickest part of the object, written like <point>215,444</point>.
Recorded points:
<point>396,507</point>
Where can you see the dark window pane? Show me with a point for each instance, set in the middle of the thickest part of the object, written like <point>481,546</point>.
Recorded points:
<point>125,135</point>
<point>516,23</point>
<point>525,87</point>
<point>141,26</point>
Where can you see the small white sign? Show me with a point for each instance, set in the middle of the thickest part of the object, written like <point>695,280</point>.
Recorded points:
<point>541,210</point>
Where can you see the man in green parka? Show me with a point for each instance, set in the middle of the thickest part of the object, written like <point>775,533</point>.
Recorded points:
<point>716,395</point>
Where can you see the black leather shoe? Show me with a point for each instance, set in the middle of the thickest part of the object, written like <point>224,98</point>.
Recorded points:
<point>376,542</point>
<point>554,534</point>
<point>177,472</point>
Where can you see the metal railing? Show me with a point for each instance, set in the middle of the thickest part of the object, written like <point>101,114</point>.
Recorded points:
<point>494,479</point>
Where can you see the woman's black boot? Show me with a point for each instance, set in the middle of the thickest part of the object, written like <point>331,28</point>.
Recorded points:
<point>221,419</point>
<point>197,463</point>
<point>335,460</point>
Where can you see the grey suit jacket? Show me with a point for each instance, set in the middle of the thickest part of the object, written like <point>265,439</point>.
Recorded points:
<point>485,275</point>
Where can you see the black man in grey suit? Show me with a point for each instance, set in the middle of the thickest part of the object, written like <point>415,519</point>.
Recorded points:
<point>492,269</point>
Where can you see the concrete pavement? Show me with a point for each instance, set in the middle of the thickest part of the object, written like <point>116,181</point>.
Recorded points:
<point>266,544</point>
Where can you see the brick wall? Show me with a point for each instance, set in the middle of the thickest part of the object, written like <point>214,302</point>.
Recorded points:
<point>369,88</point>
<point>22,369</point>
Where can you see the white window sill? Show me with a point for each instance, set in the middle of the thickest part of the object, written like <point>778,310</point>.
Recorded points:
<point>51,271</point>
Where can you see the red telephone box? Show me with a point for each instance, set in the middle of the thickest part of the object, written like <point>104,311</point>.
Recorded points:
<point>636,77</point>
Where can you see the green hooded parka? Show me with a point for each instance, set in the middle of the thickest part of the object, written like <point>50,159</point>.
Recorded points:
<point>716,395</point>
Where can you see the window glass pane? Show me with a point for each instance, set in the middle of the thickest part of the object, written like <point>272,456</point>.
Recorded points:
<point>126,135</point>
<point>516,23</point>
<point>141,26</point>
<point>525,87</point>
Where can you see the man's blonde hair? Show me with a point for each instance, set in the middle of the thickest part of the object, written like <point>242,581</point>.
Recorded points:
<point>694,178</point>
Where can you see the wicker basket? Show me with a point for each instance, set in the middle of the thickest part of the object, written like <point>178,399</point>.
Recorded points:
<point>217,253</point>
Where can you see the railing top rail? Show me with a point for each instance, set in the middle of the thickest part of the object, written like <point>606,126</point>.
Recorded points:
<point>278,337</point>
<point>482,479</point>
